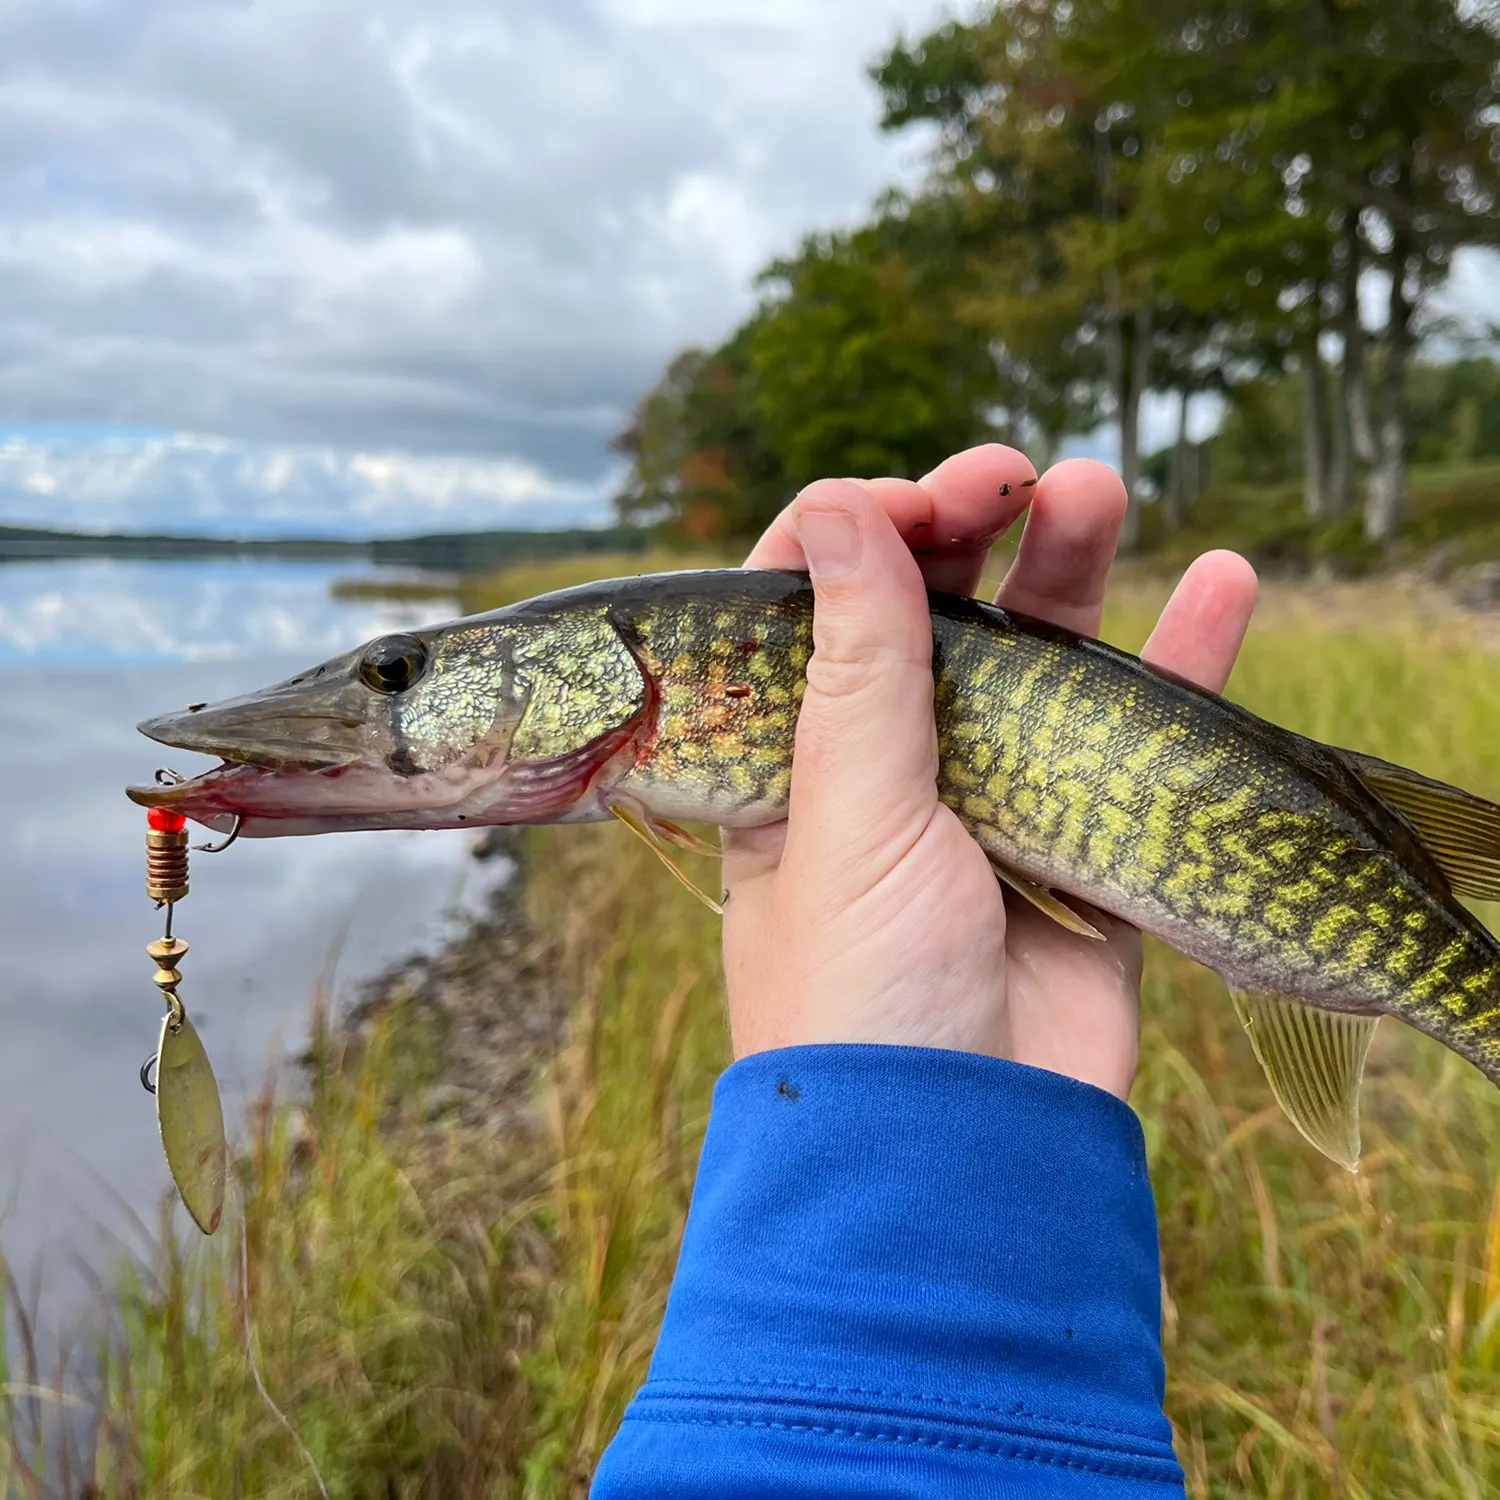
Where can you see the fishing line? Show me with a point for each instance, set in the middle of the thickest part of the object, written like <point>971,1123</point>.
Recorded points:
<point>250,1359</point>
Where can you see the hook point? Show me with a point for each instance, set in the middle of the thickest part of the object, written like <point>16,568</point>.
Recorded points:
<point>234,833</point>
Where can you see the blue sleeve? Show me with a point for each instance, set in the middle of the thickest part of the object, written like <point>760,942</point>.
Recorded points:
<point>911,1273</point>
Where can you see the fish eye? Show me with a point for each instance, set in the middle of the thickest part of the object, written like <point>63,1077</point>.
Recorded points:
<point>393,663</point>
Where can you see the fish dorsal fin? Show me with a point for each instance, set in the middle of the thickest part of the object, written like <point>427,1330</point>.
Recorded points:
<point>1314,1060</point>
<point>1044,901</point>
<point>1460,831</point>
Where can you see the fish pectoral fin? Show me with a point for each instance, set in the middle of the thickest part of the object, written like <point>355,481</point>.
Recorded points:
<point>1459,830</point>
<point>675,833</point>
<point>648,830</point>
<point>1045,901</point>
<point>1314,1060</point>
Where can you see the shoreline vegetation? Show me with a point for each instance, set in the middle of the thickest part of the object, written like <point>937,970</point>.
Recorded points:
<point>461,1225</point>
<point>467,552</point>
<point>1451,540</point>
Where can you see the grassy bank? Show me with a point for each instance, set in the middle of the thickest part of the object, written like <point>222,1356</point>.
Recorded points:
<point>446,1306</point>
<point>1451,523</point>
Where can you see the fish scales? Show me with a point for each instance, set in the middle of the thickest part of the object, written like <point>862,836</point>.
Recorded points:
<point>1243,845</point>
<point>731,674</point>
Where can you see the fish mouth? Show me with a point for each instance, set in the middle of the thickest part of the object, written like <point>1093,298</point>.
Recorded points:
<point>316,754</point>
<point>274,747</point>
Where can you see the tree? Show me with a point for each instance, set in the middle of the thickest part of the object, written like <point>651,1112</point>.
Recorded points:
<point>1187,195</point>
<point>699,466</point>
<point>1051,120</point>
<point>1244,162</point>
<point>859,364</point>
<point>660,439</point>
<point>856,362</point>
<point>1362,132</point>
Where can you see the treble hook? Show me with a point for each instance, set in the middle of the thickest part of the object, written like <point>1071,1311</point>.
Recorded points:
<point>234,833</point>
<point>147,1068</point>
<point>166,776</point>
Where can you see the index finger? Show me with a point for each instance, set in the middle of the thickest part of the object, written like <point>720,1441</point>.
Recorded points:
<point>949,518</point>
<point>1069,542</point>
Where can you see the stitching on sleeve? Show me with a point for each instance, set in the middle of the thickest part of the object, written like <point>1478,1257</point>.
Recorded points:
<point>1141,1469</point>
<point>1006,1409</point>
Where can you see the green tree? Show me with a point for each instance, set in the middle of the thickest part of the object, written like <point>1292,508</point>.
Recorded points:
<point>1241,163</point>
<point>858,363</point>
<point>1051,120</point>
<point>1344,134</point>
<point>1454,411</point>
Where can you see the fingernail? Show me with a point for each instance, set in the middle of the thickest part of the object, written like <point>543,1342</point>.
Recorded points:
<point>831,541</point>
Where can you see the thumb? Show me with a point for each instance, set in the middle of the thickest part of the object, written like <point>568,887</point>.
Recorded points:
<point>864,773</point>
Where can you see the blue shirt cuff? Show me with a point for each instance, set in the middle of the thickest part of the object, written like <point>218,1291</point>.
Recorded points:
<point>896,1248</point>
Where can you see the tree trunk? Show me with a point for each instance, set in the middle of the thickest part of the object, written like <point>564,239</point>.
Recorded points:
<point>1384,495</point>
<point>1340,493</point>
<point>1314,433</point>
<point>1356,393</point>
<point>1134,375</point>
<point>1175,501</point>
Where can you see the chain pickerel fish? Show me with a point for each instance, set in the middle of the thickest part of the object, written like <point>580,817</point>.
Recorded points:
<point>1323,884</point>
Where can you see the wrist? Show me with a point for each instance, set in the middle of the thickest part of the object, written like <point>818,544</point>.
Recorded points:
<point>921,1246</point>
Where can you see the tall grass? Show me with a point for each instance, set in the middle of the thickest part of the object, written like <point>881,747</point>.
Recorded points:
<point>384,1305</point>
<point>444,1312</point>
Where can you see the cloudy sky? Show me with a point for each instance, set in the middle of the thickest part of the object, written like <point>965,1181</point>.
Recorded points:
<point>384,264</point>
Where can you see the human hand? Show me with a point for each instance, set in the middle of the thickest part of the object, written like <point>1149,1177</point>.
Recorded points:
<point>870,914</point>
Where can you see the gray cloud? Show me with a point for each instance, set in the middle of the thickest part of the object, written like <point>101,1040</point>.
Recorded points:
<point>450,228</point>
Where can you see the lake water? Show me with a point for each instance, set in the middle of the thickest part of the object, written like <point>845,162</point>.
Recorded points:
<point>87,649</point>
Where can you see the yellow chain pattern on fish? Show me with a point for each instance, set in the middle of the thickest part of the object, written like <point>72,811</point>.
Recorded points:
<point>1093,776</point>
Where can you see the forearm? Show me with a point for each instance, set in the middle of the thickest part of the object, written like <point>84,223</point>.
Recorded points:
<point>907,1272</point>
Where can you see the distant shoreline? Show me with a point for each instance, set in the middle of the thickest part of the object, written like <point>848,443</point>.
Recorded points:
<point>446,552</point>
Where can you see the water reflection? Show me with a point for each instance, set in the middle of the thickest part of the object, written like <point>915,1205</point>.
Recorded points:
<point>92,648</point>
<point>100,609</point>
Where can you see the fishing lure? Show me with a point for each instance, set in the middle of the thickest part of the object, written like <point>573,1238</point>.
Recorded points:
<point>188,1112</point>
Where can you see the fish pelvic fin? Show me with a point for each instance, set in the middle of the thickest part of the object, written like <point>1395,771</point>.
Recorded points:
<point>658,835</point>
<point>1314,1060</point>
<point>1044,901</point>
<point>1459,830</point>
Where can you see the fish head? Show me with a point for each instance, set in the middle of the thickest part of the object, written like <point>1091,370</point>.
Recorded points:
<point>505,718</point>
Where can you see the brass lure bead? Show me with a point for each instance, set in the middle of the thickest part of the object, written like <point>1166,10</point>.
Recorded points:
<point>166,864</point>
